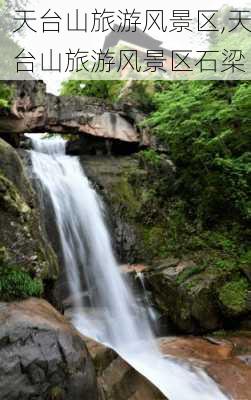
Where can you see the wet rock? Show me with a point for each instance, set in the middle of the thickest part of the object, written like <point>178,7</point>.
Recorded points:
<point>226,361</point>
<point>121,382</point>
<point>107,175</point>
<point>198,299</point>
<point>42,356</point>
<point>133,269</point>
<point>190,304</point>
<point>118,380</point>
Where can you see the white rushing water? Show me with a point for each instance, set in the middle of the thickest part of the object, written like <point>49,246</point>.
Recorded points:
<point>95,280</point>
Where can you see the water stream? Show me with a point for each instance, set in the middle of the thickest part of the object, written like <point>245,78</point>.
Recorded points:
<point>104,306</point>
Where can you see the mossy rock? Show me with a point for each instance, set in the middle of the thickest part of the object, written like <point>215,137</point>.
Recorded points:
<point>200,298</point>
<point>22,242</point>
<point>11,200</point>
<point>233,296</point>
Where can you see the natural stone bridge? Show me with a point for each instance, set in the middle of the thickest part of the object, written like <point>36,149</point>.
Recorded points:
<point>34,110</point>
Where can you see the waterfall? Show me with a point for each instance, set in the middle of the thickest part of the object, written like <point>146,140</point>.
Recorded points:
<point>95,280</point>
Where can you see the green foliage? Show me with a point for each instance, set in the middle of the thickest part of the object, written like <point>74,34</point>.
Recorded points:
<point>225,264</point>
<point>93,88</point>
<point>5,96</point>
<point>246,259</point>
<point>206,126</point>
<point>151,157</point>
<point>17,284</point>
<point>137,93</point>
<point>233,295</point>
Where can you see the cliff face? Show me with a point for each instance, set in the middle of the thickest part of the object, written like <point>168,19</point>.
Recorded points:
<point>193,281</point>
<point>23,244</point>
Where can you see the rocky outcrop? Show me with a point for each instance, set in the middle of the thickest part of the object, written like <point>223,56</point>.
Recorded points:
<point>23,243</point>
<point>117,379</point>
<point>226,360</point>
<point>42,355</point>
<point>120,181</point>
<point>199,301</point>
<point>108,133</point>
<point>34,110</point>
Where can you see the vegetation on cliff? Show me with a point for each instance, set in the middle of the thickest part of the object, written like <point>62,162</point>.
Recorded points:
<point>5,96</point>
<point>27,261</point>
<point>206,126</point>
<point>198,210</point>
<point>18,284</point>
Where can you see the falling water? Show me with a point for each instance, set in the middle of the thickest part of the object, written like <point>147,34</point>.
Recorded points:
<point>91,268</point>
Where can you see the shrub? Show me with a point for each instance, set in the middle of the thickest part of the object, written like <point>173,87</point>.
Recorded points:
<point>233,295</point>
<point>16,284</point>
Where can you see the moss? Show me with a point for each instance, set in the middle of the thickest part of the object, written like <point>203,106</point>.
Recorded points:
<point>233,295</point>
<point>188,272</point>
<point>124,196</point>
<point>245,258</point>
<point>57,393</point>
<point>193,281</point>
<point>6,92</point>
<point>22,240</point>
<point>10,199</point>
<point>154,241</point>
<point>3,254</point>
<point>163,227</point>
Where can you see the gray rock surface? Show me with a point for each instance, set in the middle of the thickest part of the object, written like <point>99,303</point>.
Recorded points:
<point>42,355</point>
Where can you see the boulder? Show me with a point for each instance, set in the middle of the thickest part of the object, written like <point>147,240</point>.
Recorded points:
<point>117,379</point>
<point>42,355</point>
<point>226,360</point>
<point>198,300</point>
